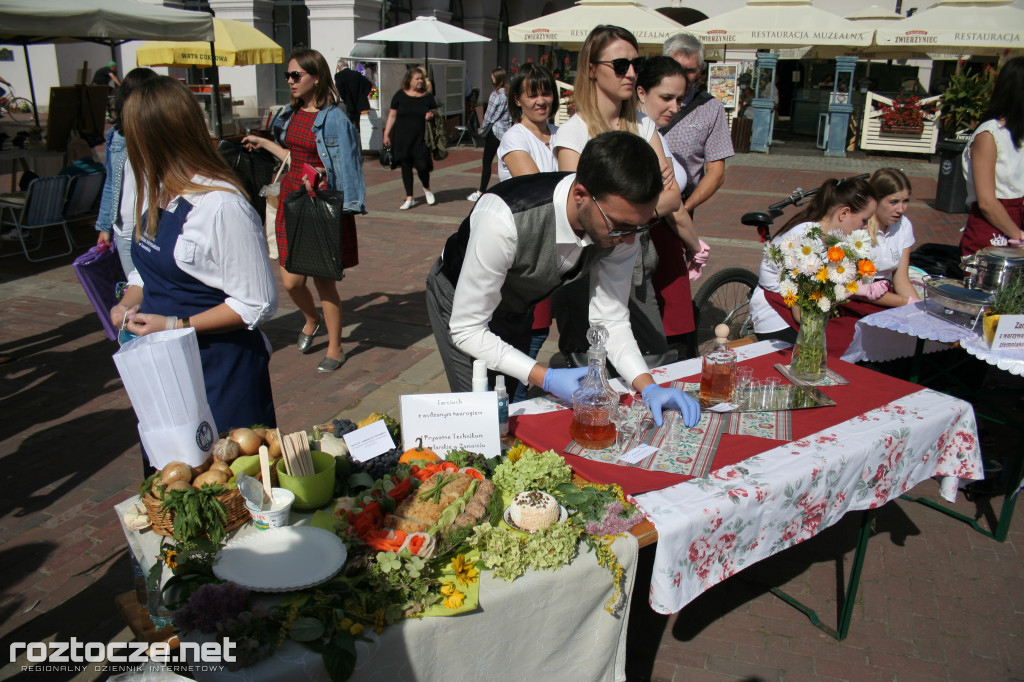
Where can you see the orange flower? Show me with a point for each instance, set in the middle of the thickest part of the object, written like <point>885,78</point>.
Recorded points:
<point>835,254</point>
<point>865,268</point>
<point>815,295</point>
<point>789,300</point>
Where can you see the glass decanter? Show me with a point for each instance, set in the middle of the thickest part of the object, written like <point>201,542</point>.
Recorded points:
<point>718,374</point>
<point>594,400</point>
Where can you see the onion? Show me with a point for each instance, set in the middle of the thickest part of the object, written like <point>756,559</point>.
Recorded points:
<point>225,450</point>
<point>274,443</point>
<point>175,471</point>
<point>248,442</point>
<point>209,478</point>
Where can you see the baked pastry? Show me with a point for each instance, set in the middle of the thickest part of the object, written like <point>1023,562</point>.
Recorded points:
<point>532,510</point>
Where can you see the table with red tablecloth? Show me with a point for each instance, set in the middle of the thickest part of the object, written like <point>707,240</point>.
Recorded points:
<point>883,437</point>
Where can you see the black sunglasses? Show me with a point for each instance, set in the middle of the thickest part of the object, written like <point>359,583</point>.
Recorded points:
<point>621,65</point>
<point>625,231</point>
<point>294,75</point>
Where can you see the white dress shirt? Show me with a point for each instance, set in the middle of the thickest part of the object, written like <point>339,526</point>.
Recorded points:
<point>222,245</point>
<point>490,254</point>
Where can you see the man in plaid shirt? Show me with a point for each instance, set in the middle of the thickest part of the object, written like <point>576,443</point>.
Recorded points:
<point>700,141</point>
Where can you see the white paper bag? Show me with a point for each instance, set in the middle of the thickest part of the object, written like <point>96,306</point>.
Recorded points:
<point>163,376</point>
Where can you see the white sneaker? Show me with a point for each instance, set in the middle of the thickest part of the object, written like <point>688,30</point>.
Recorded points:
<point>474,196</point>
<point>430,197</point>
<point>409,203</point>
<point>10,235</point>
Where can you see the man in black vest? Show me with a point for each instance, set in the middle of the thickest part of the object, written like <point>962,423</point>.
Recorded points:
<point>525,238</point>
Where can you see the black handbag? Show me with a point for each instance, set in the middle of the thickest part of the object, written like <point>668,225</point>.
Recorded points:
<point>314,225</point>
<point>387,156</point>
<point>254,169</point>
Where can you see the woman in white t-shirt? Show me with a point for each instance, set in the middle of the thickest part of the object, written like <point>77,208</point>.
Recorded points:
<point>526,147</point>
<point>844,205</point>
<point>994,165</point>
<point>892,238</point>
<point>606,100</point>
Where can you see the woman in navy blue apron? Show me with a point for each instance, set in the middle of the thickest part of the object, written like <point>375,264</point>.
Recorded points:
<point>199,255</point>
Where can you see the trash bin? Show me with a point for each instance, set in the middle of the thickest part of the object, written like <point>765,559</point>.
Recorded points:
<point>951,190</point>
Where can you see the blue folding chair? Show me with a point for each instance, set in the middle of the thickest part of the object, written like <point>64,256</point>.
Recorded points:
<point>42,207</point>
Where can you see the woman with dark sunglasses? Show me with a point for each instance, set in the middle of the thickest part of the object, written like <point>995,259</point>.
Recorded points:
<point>318,134</point>
<point>606,99</point>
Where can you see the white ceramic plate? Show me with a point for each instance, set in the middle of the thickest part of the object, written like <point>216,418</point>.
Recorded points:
<point>563,514</point>
<point>281,559</point>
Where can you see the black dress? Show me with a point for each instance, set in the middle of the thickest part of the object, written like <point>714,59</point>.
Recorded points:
<point>407,134</point>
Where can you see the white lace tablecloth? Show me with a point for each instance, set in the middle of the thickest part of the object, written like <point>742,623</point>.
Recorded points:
<point>1011,361</point>
<point>893,333</point>
<point>543,625</point>
<point>712,527</point>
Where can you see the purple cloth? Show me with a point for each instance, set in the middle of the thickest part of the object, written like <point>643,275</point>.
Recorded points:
<point>99,270</point>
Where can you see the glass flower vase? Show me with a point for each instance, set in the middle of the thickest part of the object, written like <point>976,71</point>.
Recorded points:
<point>809,357</point>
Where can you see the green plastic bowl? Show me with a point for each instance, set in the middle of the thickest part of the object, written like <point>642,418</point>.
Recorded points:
<point>313,491</point>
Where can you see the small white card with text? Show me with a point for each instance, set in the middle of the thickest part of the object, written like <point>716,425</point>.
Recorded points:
<point>369,442</point>
<point>637,454</point>
<point>1009,333</point>
<point>452,421</point>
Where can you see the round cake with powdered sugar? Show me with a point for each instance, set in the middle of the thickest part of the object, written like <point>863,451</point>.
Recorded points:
<point>532,510</point>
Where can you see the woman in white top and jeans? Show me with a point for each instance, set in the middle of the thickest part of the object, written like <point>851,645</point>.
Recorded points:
<point>994,165</point>
<point>496,122</point>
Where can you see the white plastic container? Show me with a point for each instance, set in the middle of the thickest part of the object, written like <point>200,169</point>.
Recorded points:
<point>277,515</point>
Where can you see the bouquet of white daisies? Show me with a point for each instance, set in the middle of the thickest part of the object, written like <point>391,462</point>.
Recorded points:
<point>821,271</point>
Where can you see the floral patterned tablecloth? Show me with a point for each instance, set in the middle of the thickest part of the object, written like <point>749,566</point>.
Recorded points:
<point>710,528</point>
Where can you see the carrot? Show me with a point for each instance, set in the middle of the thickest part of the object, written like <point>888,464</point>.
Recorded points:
<point>415,544</point>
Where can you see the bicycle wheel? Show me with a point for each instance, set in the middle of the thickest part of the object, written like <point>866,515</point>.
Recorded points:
<point>20,109</point>
<point>724,299</point>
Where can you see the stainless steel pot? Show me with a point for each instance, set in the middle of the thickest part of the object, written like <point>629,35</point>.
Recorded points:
<point>953,294</point>
<point>995,266</point>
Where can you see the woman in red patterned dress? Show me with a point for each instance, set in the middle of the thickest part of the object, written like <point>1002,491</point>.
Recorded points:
<point>317,133</point>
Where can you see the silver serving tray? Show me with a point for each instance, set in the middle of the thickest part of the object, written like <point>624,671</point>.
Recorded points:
<point>951,294</point>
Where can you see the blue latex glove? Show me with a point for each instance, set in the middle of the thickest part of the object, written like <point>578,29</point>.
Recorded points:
<point>564,382</point>
<point>658,398</point>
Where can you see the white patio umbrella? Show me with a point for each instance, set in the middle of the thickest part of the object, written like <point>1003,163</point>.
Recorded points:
<point>978,27</point>
<point>426,30</point>
<point>778,24</point>
<point>871,18</point>
<point>572,26</point>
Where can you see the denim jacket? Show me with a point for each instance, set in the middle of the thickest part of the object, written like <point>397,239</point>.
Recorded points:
<point>340,152</point>
<point>110,203</point>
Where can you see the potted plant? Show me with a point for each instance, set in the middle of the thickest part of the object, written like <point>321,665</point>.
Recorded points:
<point>963,104</point>
<point>905,115</point>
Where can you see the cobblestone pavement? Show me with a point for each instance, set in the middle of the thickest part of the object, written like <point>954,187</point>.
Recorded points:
<point>937,600</point>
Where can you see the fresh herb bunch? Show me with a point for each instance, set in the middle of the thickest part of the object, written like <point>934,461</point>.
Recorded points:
<point>509,554</point>
<point>532,471</point>
<point>1010,299</point>
<point>197,513</point>
<point>465,458</point>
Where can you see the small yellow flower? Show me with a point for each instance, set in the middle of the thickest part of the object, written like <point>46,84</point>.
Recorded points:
<point>356,629</point>
<point>346,624</point>
<point>169,559</point>
<point>853,287</point>
<point>516,451</point>
<point>455,599</point>
<point>465,572</point>
<point>447,588</point>
<point>822,275</point>
<point>789,300</point>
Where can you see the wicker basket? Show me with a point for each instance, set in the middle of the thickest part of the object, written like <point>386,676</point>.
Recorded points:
<point>163,521</point>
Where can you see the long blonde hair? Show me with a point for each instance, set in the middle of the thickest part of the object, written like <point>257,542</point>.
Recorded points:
<point>885,181</point>
<point>586,88</point>
<point>168,144</point>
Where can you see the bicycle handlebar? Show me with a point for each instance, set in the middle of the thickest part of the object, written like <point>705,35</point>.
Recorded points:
<point>799,194</point>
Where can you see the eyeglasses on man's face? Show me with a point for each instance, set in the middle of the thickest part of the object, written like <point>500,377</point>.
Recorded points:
<point>614,231</point>
<point>294,76</point>
<point>621,65</point>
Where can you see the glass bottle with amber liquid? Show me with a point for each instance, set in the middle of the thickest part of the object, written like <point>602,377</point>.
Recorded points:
<point>595,399</point>
<point>718,374</point>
